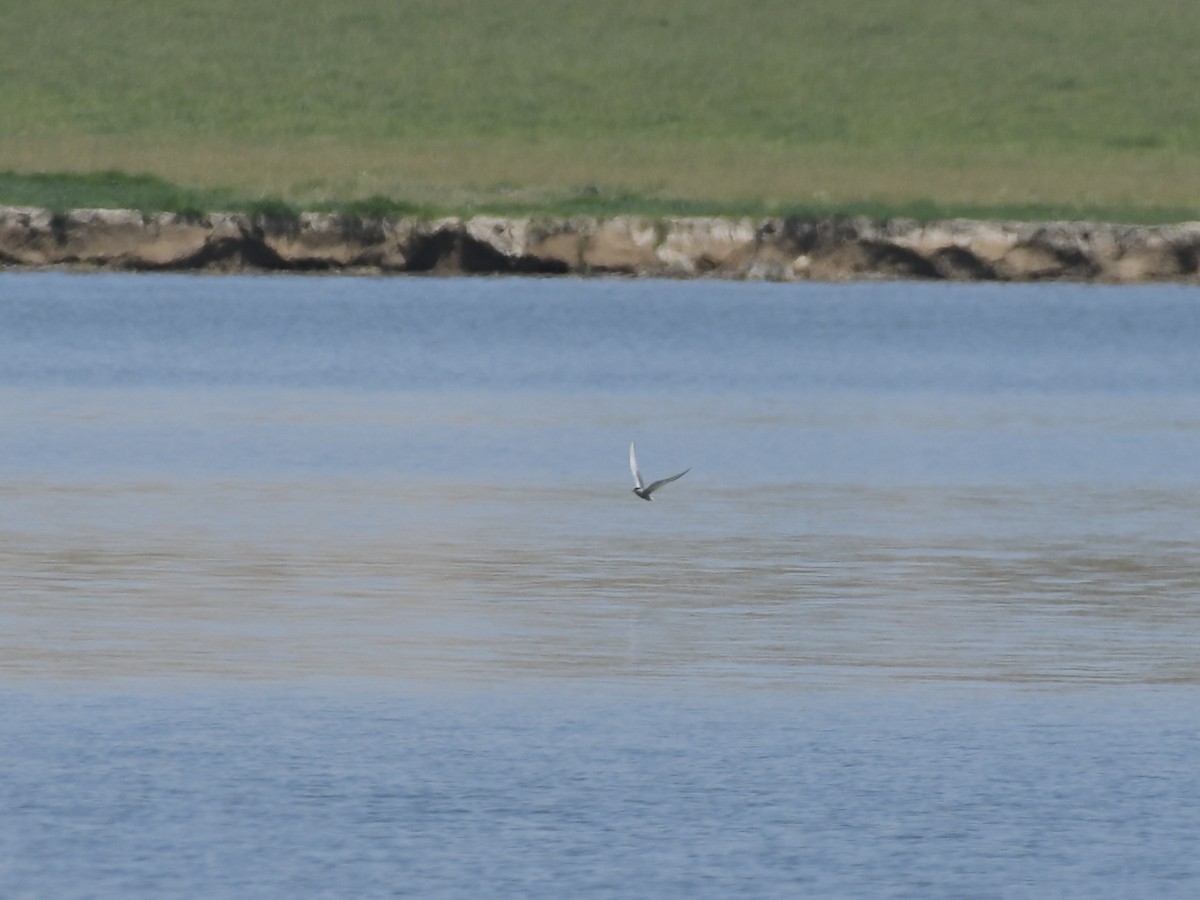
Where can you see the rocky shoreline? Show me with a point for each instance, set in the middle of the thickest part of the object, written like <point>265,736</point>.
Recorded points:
<point>777,249</point>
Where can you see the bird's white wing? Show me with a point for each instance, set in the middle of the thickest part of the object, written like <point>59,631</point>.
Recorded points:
<point>657,484</point>
<point>637,476</point>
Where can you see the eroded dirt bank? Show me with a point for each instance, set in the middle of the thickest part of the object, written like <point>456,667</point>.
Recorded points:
<point>775,249</point>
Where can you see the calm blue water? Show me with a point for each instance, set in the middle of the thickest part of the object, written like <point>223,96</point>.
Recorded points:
<point>336,587</point>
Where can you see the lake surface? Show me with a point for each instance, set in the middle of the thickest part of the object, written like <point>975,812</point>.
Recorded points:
<point>337,587</point>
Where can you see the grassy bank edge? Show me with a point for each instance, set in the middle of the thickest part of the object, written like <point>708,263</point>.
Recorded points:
<point>61,192</point>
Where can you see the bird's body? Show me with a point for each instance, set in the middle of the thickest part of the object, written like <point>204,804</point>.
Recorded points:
<point>642,489</point>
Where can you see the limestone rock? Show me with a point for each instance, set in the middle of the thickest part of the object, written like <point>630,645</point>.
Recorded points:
<point>693,246</point>
<point>625,245</point>
<point>776,249</point>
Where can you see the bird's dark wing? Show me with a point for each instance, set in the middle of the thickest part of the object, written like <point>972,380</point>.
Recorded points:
<point>657,484</point>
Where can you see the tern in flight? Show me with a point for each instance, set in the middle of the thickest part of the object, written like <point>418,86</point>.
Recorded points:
<point>642,489</point>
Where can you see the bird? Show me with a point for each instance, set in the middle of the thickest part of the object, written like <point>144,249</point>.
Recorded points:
<point>642,489</point>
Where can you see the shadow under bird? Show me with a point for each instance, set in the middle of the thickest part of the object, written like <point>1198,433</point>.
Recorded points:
<point>642,489</point>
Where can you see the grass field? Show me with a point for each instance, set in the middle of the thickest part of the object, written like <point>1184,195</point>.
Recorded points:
<point>931,107</point>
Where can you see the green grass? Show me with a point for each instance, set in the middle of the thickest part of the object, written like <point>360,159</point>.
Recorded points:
<point>64,191</point>
<point>705,105</point>
<point>105,190</point>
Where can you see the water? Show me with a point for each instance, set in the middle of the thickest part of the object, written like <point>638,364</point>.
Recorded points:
<point>322,586</point>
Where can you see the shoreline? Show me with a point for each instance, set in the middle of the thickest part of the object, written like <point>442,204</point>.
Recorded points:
<point>775,249</point>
